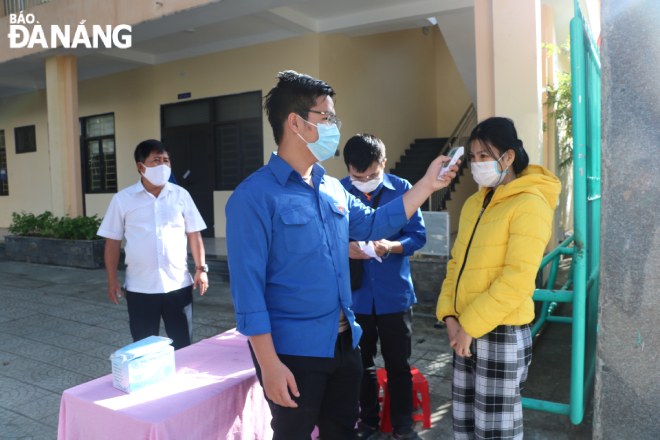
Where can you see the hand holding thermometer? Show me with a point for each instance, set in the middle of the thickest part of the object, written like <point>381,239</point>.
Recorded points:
<point>455,153</point>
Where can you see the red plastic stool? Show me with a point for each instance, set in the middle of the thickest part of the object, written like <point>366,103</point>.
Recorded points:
<point>420,386</point>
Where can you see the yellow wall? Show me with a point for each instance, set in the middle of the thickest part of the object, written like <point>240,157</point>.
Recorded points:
<point>400,86</point>
<point>135,96</point>
<point>385,86</point>
<point>28,173</point>
<point>452,98</point>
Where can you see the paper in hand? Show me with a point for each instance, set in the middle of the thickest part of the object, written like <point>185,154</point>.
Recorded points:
<point>457,154</point>
<point>368,248</point>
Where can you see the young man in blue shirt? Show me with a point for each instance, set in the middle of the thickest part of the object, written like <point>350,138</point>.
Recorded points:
<point>383,302</point>
<point>287,240</point>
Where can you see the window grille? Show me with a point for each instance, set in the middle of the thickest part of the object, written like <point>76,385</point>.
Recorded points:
<point>4,172</point>
<point>99,158</point>
<point>25,139</point>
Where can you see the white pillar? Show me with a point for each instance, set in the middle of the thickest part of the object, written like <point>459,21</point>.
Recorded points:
<point>508,39</point>
<point>63,135</point>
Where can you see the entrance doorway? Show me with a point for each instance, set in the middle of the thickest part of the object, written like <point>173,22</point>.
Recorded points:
<point>214,144</point>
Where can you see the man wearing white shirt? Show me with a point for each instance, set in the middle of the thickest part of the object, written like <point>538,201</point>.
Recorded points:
<point>158,219</point>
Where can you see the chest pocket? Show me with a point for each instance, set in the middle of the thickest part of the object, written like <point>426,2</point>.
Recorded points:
<point>175,215</point>
<point>301,229</point>
<point>340,218</point>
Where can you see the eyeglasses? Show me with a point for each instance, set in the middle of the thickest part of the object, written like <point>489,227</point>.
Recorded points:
<point>366,178</point>
<point>332,119</point>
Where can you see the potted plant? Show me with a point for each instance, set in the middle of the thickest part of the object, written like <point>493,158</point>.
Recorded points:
<point>47,239</point>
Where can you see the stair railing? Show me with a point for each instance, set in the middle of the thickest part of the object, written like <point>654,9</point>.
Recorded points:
<point>458,138</point>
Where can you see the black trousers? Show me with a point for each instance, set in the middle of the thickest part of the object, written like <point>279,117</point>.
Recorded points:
<point>395,332</point>
<point>329,391</point>
<point>176,308</point>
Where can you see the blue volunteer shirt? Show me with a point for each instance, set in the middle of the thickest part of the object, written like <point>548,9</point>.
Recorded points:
<point>387,286</point>
<point>287,247</point>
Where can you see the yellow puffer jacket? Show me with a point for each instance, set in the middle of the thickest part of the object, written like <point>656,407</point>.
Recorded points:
<point>497,283</point>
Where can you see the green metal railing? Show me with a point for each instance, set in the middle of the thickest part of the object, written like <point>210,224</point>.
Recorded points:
<point>583,274</point>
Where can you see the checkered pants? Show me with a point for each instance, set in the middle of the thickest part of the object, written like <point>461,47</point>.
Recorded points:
<point>486,386</point>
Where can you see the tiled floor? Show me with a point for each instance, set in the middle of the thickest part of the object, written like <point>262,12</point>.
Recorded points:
<point>58,328</point>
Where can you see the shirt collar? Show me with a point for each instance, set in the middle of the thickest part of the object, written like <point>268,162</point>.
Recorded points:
<point>139,187</point>
<point>282,170</point>
<point>386,182</point>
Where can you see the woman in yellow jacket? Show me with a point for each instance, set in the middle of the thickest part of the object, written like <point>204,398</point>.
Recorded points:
<point>486,298</point>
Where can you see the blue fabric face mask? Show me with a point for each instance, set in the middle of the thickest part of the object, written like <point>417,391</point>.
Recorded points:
<point>326,146</point>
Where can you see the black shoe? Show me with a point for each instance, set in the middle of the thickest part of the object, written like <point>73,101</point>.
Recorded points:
<point>366,432</point>
<point>411,435</point>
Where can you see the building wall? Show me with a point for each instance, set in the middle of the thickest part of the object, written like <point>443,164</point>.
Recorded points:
<point>28,173</point>
<point>385,85</point>
<point>508,39</point>
<point>135,96</point>
<point>400,86</point>
<point>452,98</point>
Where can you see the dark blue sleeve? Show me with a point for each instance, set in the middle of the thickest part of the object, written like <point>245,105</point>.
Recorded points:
<point>366,224</point>
<point>249,237</point>
<point>413,234</point>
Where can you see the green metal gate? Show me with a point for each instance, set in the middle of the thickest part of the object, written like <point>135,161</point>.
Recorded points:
<point>583,275</point>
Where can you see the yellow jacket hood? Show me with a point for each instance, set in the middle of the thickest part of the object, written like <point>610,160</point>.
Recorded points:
<point>534,179</point>
<point>496,256</point>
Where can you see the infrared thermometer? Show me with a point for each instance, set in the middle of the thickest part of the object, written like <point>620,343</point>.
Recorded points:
<point>455,153</point>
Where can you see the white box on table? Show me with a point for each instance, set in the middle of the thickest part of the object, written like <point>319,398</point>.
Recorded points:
<point>142,363</point>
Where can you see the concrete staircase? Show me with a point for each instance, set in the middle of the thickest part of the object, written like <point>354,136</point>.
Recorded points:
<point>415,161</point>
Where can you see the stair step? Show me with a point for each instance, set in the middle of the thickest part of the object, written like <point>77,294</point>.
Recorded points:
<point>415,158</point>
<point>441,141</point>
<point>413,164</point>
<point>426,149</point>
<point>412,179</point>
<point>417,165</point>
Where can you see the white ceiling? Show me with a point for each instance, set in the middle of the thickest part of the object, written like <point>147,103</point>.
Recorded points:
<point>323,10</point>
<point>228,24</point>
<point>237,28</point>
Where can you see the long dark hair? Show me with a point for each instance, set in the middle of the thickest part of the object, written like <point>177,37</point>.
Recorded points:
<point>501,134</point>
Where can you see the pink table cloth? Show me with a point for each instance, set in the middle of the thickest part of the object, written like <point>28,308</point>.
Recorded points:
<point>234,337</point>
<point>214,395</point>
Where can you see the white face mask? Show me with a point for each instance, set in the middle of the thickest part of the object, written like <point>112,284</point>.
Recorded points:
<point>157,176</point>
<point>368,186</point>
<point>487,174</point>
